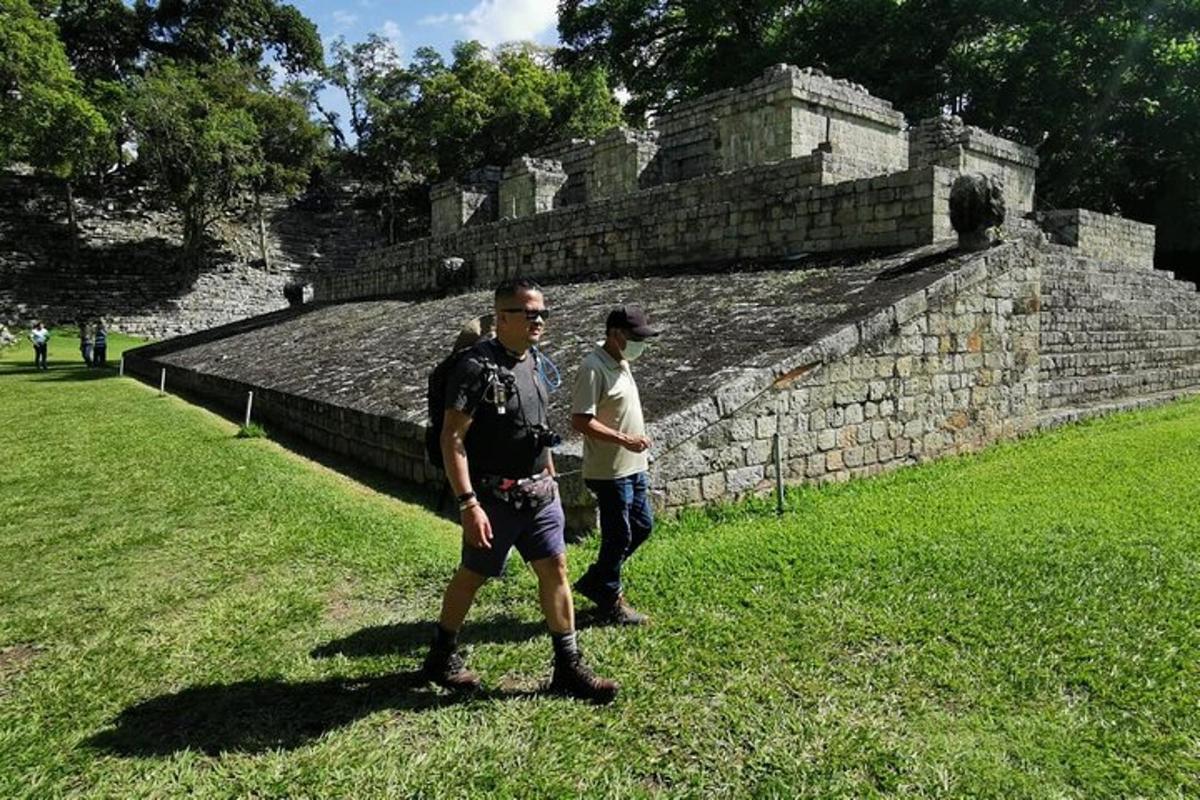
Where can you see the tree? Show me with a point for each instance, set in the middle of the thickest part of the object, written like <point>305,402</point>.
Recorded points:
<point>429,121</point>
<point>289,146</point>
<point>208,133</point>
<point>103,38</point>
<point>208,31</point>
<point>45,119</point>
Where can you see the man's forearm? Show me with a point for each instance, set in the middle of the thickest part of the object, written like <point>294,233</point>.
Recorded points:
<point>595,429</point>
<point>454,456</point>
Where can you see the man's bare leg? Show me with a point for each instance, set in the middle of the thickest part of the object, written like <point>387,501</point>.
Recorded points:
<point>571,675</point>
<point>554,592</point>
<point>460,594</point>
<point>444,666</point>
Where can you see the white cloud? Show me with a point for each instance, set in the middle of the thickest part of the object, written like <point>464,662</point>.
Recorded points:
<point>343,18</point>
<point>393,33</point>
<point>496,21</point>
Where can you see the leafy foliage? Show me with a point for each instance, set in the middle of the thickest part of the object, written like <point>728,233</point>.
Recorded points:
<point>429,121</point>
<point>44,117</point>
<point>209,133</point>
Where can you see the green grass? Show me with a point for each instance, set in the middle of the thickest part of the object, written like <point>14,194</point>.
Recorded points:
<point>183,612</point>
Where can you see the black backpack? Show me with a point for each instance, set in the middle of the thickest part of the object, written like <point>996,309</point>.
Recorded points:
<point>435,398</point>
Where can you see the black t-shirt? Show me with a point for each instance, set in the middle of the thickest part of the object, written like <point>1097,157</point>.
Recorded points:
<point>499,444</point>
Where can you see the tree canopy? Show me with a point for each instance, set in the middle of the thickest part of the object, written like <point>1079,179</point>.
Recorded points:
<point>45,119</point>
<point>210,133</point>
<point>430,120</point>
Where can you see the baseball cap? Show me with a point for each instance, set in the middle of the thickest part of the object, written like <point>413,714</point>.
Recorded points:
<point>631,318</point>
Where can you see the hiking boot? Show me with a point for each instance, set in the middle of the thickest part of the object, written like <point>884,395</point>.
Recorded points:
<point>621,613</point>
<point>448,670</point>
<point>574,678</point>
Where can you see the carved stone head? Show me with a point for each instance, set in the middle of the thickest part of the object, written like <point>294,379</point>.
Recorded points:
<point>976,206</point>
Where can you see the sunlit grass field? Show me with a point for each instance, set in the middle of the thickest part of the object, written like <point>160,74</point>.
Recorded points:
<point>183,612</point>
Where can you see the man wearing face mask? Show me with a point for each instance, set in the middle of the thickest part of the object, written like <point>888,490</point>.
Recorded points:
<point>606,409</point>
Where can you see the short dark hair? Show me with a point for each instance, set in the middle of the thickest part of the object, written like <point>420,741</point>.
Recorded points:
<point>512,287</point>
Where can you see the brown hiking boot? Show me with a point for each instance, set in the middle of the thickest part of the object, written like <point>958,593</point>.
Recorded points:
<point>575,678</point>
<point>621,613</point>
<point>448,670</point>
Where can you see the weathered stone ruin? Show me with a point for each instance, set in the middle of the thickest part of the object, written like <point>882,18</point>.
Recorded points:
<point>794,239</point>
<point>126,263</point>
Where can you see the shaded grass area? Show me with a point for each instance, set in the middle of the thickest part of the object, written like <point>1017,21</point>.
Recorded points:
<point>190,612</point>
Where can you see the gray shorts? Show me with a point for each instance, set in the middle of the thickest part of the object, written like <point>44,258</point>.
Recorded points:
<point>536,535</point>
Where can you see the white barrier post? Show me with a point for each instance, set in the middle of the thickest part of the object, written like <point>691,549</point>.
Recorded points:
<point>249,405</point>
<point>162,382</point>
<point>121,369</point>
<point>778,474</point>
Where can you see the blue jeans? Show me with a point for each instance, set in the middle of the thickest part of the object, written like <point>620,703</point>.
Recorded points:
<point>625,522</point>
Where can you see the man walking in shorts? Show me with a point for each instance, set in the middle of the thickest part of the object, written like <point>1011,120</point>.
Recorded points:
<point>495,445</point>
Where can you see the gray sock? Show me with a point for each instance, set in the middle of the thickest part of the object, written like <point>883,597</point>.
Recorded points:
<point>565,646</point>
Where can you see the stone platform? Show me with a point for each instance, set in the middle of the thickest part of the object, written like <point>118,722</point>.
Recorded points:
<point>860,364</point>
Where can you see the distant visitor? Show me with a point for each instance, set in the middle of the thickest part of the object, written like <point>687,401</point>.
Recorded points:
<point>41,341</point>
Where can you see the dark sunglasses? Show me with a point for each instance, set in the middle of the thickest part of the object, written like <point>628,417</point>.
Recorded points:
<point>531,314</point>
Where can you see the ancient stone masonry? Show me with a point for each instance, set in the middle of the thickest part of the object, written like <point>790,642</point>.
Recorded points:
<point>793,239</point>
<point>125,266</point>
<point>720,177</point>
<point>1101,236</point>
<point>531,186</point>
<point>947,369</point>
<point>947,142</point>
<point>474,199</point>
<point>1111,332</point>
<point>623,162</point>
<point>803,205</point>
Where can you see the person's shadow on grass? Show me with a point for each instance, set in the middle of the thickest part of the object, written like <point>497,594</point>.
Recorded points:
<point>406,638</point>
<point>260,715</point>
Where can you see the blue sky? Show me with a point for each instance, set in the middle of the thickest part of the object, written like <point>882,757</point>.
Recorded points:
<point>410,25</point>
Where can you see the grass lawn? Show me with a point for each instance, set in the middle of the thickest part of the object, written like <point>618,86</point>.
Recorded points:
<point>187,613</point>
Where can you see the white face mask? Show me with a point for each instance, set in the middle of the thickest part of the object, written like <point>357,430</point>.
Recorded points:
<point>633,350</point>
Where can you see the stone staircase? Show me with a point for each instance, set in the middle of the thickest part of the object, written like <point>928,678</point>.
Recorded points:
<point>1112,335</point>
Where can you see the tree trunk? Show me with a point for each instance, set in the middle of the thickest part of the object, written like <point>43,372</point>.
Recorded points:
<point>193,235</point>
<point>72,221</point>
<point>391,219</point>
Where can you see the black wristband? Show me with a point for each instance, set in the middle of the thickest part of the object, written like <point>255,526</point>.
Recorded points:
<point>465,496</point>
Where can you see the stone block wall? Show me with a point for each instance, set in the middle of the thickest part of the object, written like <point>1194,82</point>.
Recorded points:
<point>1110,332</point>
<point>785,113</point>
<point>126,266</point>
<point>575,157</point>
<point>623,162</point>
<point>947,142</point>
<point>474,201</point>
<point>762,212</point>
<point>1107,238</point>
<point>530,186</point>
<point>387,444</point>
<point>946,370</point>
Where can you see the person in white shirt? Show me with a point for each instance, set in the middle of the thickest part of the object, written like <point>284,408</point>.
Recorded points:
<point>606,409</point>
<point>41,340</point>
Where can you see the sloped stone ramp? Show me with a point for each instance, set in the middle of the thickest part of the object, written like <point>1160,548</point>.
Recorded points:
<point>853,364</point>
